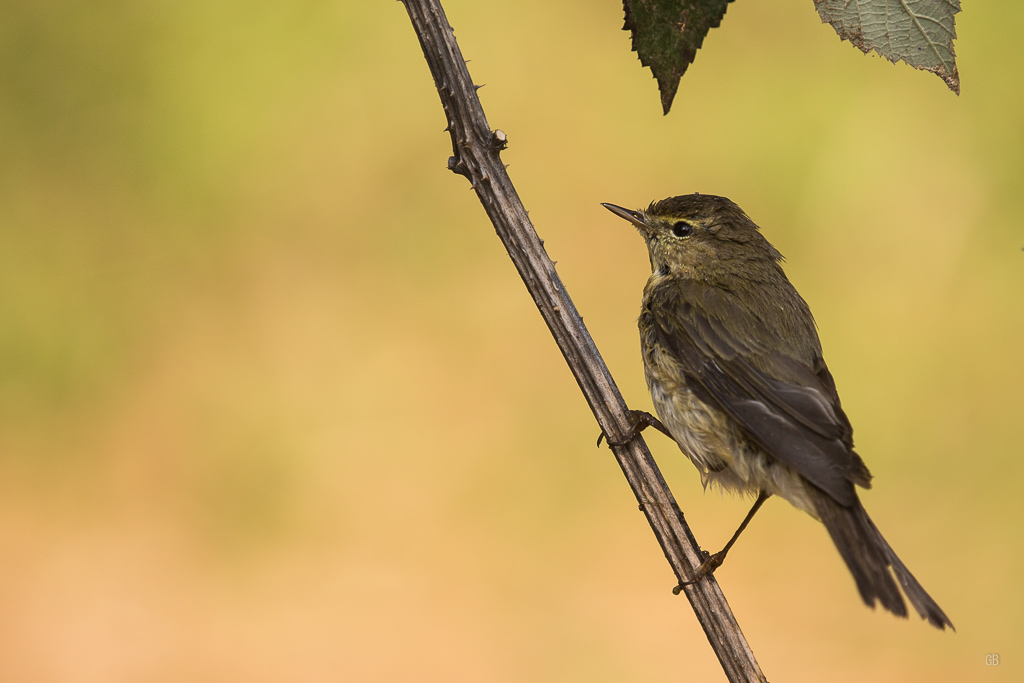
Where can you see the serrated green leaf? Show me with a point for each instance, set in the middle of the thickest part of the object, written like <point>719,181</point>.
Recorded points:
<point>918,32</point>
<point>668,33</point>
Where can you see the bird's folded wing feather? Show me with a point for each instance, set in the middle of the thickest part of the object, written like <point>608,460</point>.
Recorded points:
<point>787,405</point>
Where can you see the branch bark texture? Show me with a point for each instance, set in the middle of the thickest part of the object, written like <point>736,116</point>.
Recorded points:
<point>476,155</point>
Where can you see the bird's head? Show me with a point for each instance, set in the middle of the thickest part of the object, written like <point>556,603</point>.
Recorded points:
<point>701,236</point>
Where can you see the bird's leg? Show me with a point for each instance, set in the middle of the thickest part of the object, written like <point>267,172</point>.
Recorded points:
<point>713,562</point>
<point>641,420</point>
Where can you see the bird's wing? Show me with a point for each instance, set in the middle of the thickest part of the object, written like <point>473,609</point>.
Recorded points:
<point>786,405</point>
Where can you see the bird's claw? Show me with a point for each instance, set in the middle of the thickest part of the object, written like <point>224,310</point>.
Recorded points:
<point>639,421</point>
<point>611,442</point>
<point>706,568</point>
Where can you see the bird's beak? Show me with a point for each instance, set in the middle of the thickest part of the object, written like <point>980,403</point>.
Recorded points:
<point>634,217</point>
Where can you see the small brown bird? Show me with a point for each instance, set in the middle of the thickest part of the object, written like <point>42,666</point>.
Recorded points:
<point>735,369</point>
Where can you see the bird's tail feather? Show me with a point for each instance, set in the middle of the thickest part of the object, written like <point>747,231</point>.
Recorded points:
<point>869,558</point>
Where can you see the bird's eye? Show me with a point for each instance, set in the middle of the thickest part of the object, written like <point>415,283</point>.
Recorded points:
<point>682,229</point>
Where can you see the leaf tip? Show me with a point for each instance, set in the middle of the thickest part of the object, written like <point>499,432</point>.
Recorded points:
<point>952,80</point>
<point>668,88</point>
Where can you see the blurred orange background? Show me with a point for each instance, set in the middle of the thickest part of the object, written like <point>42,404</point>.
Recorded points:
<point>274,404</point>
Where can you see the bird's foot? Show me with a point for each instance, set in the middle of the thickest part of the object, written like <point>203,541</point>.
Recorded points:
<point>706,568</point>
<point>640,420</point>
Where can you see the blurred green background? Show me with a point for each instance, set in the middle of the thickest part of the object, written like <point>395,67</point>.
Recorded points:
<point>274,404</point>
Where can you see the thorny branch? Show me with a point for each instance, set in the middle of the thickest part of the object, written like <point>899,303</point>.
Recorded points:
<point>475,155</point>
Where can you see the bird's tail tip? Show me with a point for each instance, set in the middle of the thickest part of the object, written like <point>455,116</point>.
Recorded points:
<point>870,558</point>
<point>915,592</point>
